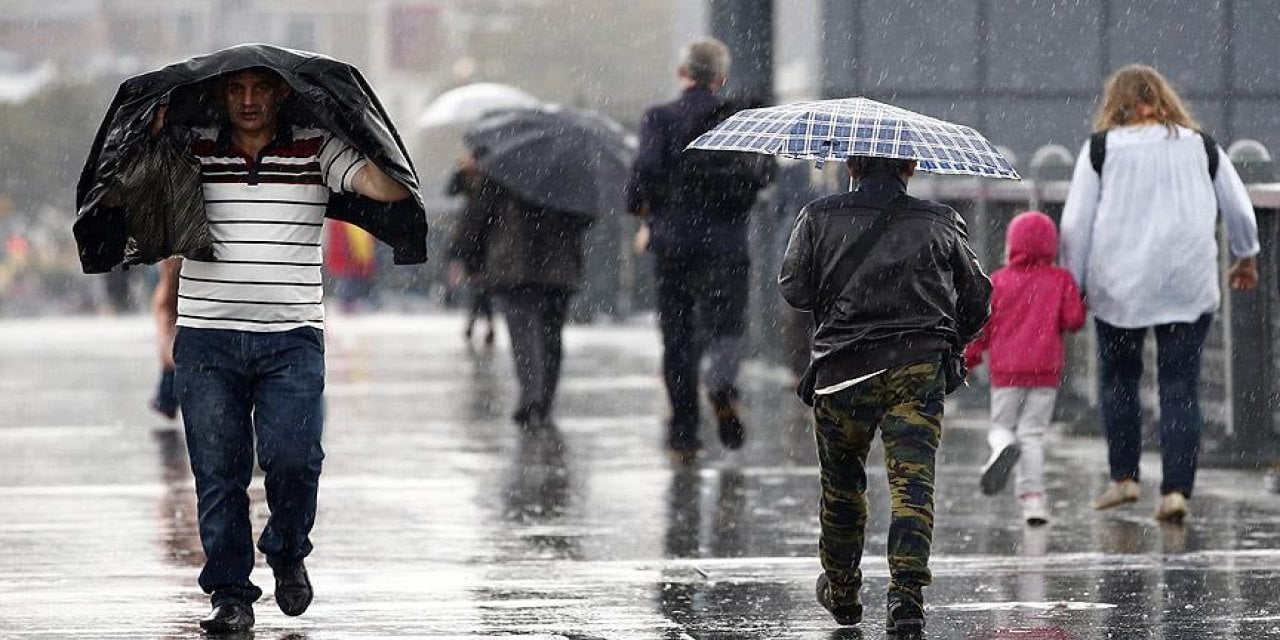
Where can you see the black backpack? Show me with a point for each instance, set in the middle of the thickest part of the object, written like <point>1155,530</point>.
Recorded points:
<point>723,182</point>
<point>1098,152</point>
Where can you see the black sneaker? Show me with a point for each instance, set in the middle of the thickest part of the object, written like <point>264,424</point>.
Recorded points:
<point>293,588</point>
<point>725,404</point>
<point>905,616</point>
<point>846,614</point>
<point>231,616</point>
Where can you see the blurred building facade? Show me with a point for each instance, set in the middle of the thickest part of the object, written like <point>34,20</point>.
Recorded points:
<point>1026,72</point>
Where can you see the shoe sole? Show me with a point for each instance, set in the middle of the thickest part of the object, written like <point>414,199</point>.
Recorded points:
<point>217,628</point>
<point>911,627</point>
<point>996,476</point>
<point>1102,506</point>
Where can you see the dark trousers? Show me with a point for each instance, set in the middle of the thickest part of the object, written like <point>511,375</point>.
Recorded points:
<point>235,386</point>
<point>1178,349</point>
<point>701,301</point>
<point>904,404</point>
<point>535,319</point>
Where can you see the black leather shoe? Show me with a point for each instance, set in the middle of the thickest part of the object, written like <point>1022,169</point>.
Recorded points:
<point>845,614</point>
<point>906,616</point>
<point>728,418</point>
<point>293,588</point>
<point>229,617</point>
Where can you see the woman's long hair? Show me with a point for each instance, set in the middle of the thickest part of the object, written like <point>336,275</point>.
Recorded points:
<point>1139,83</point>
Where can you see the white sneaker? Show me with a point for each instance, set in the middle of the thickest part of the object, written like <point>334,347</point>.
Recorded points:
<point>1035,509</point>
<point>995,474</point>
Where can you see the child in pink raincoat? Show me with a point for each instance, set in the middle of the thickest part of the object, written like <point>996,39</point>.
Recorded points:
<point>1034,302</point>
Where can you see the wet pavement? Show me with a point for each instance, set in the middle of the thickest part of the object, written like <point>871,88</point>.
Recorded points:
<point>439,520</point>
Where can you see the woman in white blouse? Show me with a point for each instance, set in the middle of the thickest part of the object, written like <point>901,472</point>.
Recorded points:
<point>1138,235</point>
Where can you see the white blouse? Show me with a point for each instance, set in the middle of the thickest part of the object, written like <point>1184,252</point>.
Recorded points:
<point>1140,240</point>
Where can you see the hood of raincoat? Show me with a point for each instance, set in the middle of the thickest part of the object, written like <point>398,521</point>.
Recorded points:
<point>1032,239</point>
<point>326,93</point>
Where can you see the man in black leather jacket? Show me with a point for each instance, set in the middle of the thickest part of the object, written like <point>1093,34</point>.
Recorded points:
<point>882,339</point>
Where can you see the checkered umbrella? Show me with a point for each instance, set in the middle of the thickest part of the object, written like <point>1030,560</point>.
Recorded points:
<point>836,129</point>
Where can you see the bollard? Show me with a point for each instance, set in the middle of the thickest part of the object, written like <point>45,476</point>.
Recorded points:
<point>1252,161</point>
<point>1052,163</point>
<point>1249,341</point>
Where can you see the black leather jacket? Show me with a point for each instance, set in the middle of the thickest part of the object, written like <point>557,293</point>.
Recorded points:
<point>919,293</point>
<point>327,93</point>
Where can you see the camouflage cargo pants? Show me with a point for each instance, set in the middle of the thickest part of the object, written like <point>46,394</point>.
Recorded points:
<point>905,405</point>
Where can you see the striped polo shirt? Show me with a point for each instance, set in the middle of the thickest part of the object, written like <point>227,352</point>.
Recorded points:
<point>266,217</point>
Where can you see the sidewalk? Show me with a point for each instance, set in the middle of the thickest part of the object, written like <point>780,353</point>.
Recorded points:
<point>437,520</point>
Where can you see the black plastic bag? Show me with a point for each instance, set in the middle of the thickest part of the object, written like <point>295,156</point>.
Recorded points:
<point>163,197</point>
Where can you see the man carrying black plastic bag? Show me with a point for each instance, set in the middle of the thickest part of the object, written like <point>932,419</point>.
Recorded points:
<point>249,349</point>
<point>896,291</point>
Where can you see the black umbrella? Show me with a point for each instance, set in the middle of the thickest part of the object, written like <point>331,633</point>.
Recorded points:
<point>564,159</point>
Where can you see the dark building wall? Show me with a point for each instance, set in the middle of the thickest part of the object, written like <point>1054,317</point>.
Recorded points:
<point>1029,72</point>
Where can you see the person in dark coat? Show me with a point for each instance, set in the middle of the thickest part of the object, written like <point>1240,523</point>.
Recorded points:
<point>164,311</point>
<point>468,182</point>
<point>696,207</point>
<point>885,335</point>
<point>530,258</point>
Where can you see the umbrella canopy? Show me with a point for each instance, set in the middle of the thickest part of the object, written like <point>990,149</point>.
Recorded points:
<point>837,129</point>
<point>565,159</point>
<point>471,102</point>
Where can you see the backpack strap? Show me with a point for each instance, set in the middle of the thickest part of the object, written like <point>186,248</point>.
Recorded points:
<point>860,250</point>
<point>1098,150</point>
<point>1211,150</point>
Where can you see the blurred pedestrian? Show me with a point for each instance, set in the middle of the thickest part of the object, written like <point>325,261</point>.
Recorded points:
<point>352,263</point>
<point>530,258</point>
<point>164,311</point>
<point>1033,302</point>
<point>468,182</point>
<point>696,207</point>
<point>1138,234</point>
<point>888,321</point>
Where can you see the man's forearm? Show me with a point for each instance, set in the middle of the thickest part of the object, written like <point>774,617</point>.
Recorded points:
<point>371,182</point>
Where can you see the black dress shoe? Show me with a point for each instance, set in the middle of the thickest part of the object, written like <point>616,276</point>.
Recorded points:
<point>293,588</point>
<point>728,418</point>
<point>229,617</point>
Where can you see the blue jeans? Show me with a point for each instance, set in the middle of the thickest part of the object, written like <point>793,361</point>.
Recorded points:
<point>235,386</point>
<point>1178,349</point>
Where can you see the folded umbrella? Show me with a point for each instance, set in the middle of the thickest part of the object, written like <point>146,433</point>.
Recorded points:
<point>837,129</point>
<point>570,160</point>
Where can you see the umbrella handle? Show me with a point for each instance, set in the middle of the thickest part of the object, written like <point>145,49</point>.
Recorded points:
<point>822,160</point>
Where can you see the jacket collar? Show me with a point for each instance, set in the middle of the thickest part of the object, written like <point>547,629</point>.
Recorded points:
<point>881,187</point>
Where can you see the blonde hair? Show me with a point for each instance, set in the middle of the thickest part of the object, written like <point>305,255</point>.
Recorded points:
<point>1139,83</point>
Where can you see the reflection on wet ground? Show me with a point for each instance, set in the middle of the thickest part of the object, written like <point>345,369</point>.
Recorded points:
<point>440,520</point>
